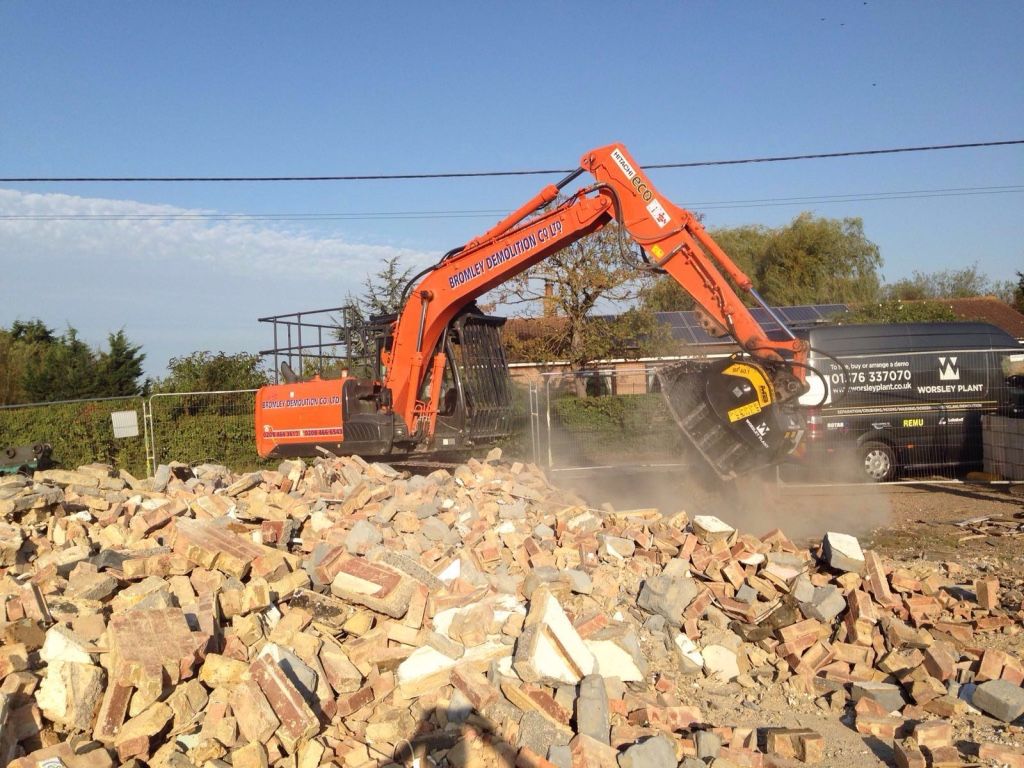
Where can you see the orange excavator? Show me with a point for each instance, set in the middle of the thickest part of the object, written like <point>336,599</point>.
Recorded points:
<point>441,385</point>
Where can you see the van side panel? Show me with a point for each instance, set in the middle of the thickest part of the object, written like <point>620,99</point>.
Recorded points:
<point>920,389</point>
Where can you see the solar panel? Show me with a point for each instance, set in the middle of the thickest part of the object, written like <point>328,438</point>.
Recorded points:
<point>684,326</point>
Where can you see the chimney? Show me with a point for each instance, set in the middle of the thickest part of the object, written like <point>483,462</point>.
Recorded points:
<point>550,307</point>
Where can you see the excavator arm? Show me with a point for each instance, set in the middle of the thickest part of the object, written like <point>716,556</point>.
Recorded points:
<point>731,411</point>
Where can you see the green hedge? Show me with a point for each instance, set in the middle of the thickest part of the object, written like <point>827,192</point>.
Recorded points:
<point>80,432</point>
<point>216,428</point>
<point>191,429</point>
<point>601,429</point>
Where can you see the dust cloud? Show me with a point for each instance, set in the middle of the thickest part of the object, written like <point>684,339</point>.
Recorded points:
<point>753,504</point>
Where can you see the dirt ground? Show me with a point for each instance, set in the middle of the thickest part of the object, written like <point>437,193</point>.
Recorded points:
<point>915,525</point>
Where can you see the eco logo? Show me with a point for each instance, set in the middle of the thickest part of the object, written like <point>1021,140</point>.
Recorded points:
<point>948,369</point>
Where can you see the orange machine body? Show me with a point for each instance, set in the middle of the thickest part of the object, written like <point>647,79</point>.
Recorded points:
<point>410,394</point>
<point>299,413</point>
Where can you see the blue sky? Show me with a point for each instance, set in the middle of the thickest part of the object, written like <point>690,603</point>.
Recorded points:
<point>359,88</point>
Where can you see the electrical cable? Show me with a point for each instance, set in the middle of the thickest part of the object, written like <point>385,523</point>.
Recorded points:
<point>766,202</point>
<point>491,174</point>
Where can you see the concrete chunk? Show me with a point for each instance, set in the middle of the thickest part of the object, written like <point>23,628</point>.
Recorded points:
<point>842,552</point>
<point>709,528</point>
<point>549,647</point>
<point>667,596</point>
<point>827,603</point>
<point>1001,699</point>
<point>887,695</point>
<point>70,693</point>
<point>655,752</point>
<point>592,716</point>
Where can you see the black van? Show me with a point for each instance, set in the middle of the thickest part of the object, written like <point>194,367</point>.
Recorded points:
<point>887,399</point>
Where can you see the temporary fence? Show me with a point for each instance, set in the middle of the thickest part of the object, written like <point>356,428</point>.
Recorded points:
<point>909,417</point>
<point>136,434</point>
<point>906,416</point>
<point>81,431</point>
<point>602,418</point>
<point>198,427</point>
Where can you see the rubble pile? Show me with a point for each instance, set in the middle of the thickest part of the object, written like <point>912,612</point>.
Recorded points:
<point>344,613</point>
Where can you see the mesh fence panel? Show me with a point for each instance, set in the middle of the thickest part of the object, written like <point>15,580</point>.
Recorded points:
<point>587,423</point>
<point>80,431</point>
<point>198,427</point>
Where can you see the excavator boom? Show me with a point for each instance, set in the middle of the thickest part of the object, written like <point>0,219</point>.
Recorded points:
<point>734,413</point>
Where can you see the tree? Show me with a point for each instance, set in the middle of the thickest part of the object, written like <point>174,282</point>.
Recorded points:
<point>204,371</point>
<point>896,311</point>
<point>818,260</point>
<point>120,368</point>
<point>64,369</point>
<point>948,284</point>
<point>809,261</point>
<point>32,332</point>
<point>382,295</point>
<point>37,365</point>
<point>382,292</point>
<point>1018,293</point>
<point>596,270</point>
<point>11,368</point>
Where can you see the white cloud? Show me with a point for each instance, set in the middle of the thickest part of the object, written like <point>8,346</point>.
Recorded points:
<point>59,226</point>
<point>174,284</point>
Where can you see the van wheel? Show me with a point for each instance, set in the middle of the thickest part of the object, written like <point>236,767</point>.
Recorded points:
<point>878,462</point>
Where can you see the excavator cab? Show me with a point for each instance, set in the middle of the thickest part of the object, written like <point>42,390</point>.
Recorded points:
<point>345,409</point>
<point>476,389</point>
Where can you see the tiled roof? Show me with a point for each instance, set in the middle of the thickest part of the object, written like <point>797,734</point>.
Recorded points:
<point>989,309</point>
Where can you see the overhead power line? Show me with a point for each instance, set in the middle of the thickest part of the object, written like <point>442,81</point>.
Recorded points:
<point>765,202</point>
<point>479,174</point>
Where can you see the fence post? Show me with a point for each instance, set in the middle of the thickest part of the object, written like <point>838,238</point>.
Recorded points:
<point>532,397</point>
<point>147,435</point>
<point>547,417</point>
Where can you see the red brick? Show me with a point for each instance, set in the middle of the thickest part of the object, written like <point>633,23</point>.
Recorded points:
<point>783,742</point>
<point>142,638</point>
<point>298,721</point>
<point>591,624</point>
<point>933,733</point>
<point>908,756</point>
<point>546,705</point>
<point>800,636</point>
<point>215,547</point>
<point>354,701</point>
<point>875,577</point>
<point>257,720</point>
<point>527,758</point>
<point>475,687</point>
<point>588,752</point>
<point>810,747</point>
<point>992,663</point>
<point>987,591</point>
<point>939,663</point>
<point>670,719</point>
<point>879,727</point>
<point>1003,754</point>
<point>112,712</point>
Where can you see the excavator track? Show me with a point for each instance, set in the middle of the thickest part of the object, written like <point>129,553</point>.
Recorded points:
<point>731,444</point>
